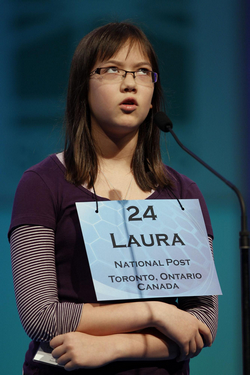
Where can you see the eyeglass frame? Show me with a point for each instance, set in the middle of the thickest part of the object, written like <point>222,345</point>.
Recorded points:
<point>154,75</point>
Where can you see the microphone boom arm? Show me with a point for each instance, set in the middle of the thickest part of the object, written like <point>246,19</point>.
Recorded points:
<point>239,195</point>
<point>244,248</point>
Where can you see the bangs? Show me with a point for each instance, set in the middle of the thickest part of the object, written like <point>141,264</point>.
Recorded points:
<point>106,52</point>
<point>109,39</point>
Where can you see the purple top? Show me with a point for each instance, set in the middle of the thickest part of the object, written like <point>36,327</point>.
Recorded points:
<point>45,198</point>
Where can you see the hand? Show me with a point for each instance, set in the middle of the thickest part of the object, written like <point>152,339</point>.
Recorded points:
<point>76,350</point>
<point>190,334</point>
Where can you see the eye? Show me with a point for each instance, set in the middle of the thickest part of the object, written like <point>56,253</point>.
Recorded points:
<point>143,72</point>
<point>111,70</point>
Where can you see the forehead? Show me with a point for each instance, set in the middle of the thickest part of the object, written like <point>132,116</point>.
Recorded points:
<point>128,52</point>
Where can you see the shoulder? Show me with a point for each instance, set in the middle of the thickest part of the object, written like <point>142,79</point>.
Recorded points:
<point>47,167</point>
<point>183,186</point>
<point>44,181</point>
<point>37,193</point>
<point>45,175</point>
<point>176,176</point>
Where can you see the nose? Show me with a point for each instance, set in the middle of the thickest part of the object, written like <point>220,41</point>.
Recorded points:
<point>128,83</point>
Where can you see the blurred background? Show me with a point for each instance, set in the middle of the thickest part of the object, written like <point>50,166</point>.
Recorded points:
<point>202,49</point>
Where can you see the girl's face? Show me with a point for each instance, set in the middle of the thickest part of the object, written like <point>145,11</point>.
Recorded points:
<point>118,108</point>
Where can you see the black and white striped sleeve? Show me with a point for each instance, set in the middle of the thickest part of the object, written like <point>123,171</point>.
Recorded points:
<point>35,285</point>
<point>204,308</point>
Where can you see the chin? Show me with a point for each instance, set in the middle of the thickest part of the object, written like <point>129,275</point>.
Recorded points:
<point>123,129</point>
<point>128,127</point>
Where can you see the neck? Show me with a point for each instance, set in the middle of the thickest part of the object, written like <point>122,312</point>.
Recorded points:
<point>115,152</point>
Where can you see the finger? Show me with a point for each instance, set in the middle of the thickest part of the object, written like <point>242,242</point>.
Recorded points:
<point>196,347</point>
<point>56,341</point>
<point>206,335</point>
<point>70,366</point>
<point>184,353</point>
<point>200,342</point>
<point>58,352</point>
<point>63,359</point>
<point>192,348</point>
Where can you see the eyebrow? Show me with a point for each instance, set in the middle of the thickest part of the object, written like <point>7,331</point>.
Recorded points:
<point>117,62</point>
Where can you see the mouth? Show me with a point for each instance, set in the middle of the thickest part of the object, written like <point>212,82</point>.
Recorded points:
<point>128,105</point>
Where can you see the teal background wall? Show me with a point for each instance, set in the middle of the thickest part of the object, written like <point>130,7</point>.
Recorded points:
<point>202,53</point>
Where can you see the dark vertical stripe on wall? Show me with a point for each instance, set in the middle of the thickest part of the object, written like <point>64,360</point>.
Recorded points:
<point>246,18</point>
<point>248,102</point>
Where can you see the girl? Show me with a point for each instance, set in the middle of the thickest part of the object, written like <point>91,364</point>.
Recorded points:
<point>111,153</point>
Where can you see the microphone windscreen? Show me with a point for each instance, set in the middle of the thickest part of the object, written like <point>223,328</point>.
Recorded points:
<point>163,122</point>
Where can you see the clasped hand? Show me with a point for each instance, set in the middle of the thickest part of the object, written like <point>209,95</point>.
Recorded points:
<point>190,334</point>
<point>76,350</point>
<point>99,342</point>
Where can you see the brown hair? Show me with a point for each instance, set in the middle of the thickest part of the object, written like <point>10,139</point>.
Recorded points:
<point>80,153</point>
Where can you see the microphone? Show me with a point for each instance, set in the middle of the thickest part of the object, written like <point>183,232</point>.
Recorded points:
<point>165,124</point>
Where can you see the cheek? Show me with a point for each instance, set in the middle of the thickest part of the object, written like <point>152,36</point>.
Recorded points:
<point>95,99</point>
<point>100,104</point>
<point>100,95</point>
<point>150,98</point>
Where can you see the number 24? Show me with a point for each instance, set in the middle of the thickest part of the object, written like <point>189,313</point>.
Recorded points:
<point>148,214</point>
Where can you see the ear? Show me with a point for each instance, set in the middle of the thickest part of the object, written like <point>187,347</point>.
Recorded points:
<point>151,106</point>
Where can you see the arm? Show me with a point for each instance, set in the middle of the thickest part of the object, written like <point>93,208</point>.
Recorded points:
<point>181,327</point>
<point>35,284</point>
<point>190,326</point>
<point>204,308</point>
<point>44,317</point>
<point>185,330</point>
<point>78,350</point>
<point>41,313</point>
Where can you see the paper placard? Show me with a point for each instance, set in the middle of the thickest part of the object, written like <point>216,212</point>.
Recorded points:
<point>147,249</point>
<point>44,355</point>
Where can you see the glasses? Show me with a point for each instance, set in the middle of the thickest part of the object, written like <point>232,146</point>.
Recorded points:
<point>113,74</point>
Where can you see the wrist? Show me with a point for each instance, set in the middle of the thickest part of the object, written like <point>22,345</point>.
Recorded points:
<point>160,313</point>
<point>129,346</point>
<point>122,347</point>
